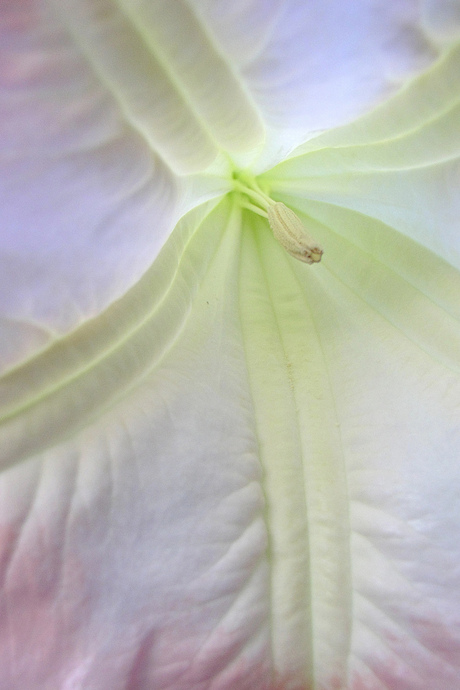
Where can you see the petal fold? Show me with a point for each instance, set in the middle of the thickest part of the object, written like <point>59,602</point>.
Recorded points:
<point>99,114</point>
<point>223,468</point>
<point>400,164</point>
<point>260,479</point>
<point>313,66</point>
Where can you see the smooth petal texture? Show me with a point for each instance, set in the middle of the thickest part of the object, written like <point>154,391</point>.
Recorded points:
<point>253,485</point>
<point>441,19</point>
<point>79,188</point>
<point>243,473</point>
<point>104,104</point>
<point>400,163</point>
<point>86,202</point>
<point>313,65</point>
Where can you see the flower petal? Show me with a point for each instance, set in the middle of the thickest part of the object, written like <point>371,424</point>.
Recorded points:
<point>79,191</point>
<point>104,103</point>
<point>399,164</point>
<point>86,198</point>
<point>312,66</point>
<point>251,483</point>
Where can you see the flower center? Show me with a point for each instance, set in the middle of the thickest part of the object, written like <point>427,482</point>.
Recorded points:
<point>286,226</point>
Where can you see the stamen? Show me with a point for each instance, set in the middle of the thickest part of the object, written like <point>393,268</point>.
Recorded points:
<point>291,233</point>
<point>286,226</point>
<point>257,195</point>
<point>254,209</point>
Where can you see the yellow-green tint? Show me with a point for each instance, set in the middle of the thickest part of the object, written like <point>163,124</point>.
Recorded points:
<point>169,79</point>
<point>300,451</point>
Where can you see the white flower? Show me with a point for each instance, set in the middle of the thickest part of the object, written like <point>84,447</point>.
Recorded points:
<point>222,468</point>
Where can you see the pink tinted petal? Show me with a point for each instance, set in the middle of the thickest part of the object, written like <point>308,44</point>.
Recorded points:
<point>260,504</point>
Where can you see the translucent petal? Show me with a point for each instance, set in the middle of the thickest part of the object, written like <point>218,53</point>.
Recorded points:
<point>86,200</point>
<point>243,475</point>
<point>442,20</point>
<point>310,66</point>
<point>111,111</point>
<point>168,77</point>
<point>400,164</point>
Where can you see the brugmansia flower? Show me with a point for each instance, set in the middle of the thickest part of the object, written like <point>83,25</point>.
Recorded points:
<point>224,468</point>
